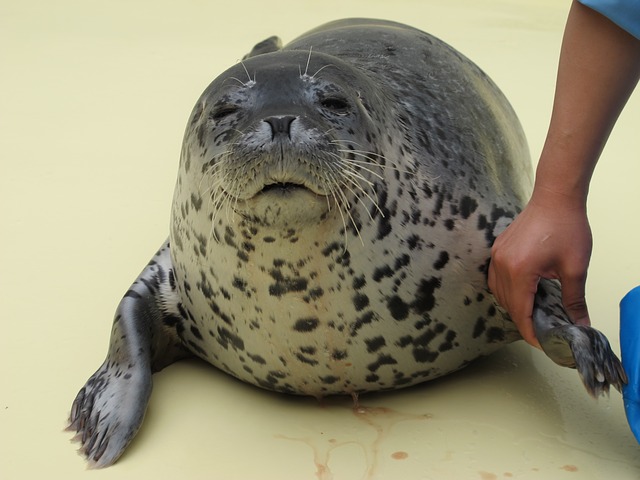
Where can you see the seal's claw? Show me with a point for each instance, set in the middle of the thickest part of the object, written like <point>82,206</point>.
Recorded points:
<point>588,351</point>
<point>108,412</point>
<point>575,346</point>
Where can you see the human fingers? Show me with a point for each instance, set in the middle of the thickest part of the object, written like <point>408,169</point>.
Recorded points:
<point>517,297</point>
<point>573,298</point>
<point>521,298</point>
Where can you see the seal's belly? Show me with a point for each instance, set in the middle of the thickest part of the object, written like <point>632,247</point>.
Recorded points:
<point>328,321</point>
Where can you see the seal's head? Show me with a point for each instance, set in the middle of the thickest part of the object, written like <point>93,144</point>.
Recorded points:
<point>285,138</point>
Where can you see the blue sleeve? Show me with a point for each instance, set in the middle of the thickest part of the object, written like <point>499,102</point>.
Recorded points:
<point>630,348</point>
<point>625,13</point>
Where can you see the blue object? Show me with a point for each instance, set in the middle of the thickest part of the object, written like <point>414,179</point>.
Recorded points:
<point>625,13</point>
<point>630,349</point>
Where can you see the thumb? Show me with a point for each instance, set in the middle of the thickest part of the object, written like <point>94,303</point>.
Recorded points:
<point>574,301</point>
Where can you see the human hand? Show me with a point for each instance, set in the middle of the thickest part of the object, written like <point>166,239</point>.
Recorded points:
<point>549,239</point>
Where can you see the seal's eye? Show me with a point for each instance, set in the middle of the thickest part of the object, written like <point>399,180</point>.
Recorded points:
<point>224,111</point>
<point>335,104</point>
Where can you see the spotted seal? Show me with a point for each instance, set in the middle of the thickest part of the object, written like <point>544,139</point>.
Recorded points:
<point>330,232</point>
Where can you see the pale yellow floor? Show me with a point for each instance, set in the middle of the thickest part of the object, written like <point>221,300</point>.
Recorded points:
<point>94,97</point>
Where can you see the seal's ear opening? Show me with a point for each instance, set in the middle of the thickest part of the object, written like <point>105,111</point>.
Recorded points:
<point>271,44</point>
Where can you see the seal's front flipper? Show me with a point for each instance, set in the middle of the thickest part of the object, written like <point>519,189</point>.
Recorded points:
<point>109,409</point>
<point>575,346</point>
<point>271,44</point>
<point>630,349</point>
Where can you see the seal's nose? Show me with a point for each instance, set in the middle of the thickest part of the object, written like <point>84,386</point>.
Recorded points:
<point>280,125</point>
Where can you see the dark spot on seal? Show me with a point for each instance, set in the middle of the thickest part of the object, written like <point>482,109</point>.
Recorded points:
<point>257,359</point>
<point>332,247</point>
<point>225,337</point>
<point>359,282</point>
<point>400,379</point>
<point>384,227</point>
<point>306,324</point>
<point>424,355</point>
<point>443,259</point>
<point>205,286</point>
<point>229,235</point>
<point>448,342</point>
<point>382,272</point>
<point>482,222</point>
<point>467,206</point>
<point>314,294</point>
<point>484,268</point>
<point>197,348</point>
<point>239,283</point>
<point>413,241</point>
<point>196,332</point>
<point>132,294</point>
<point>404,341</point>
<point>480,327</point>
<point>495,335</point>
<point>398,308</point>
<point>360,301</point>
<point>375,344</point>
<point>175,322</point>
<point>285,285</point>
<point>438,206</point>
<point>339,354</point>
<point>382,360</point>
<point>329,379</point>
<point>307,360</point>
<point>498,213</point>
<point>425,295</point>
<point>196,201</point>
<point>402,261</point>
<point>364,319</point>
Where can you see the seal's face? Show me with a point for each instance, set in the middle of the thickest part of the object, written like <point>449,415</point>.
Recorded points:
<point>283,138</point>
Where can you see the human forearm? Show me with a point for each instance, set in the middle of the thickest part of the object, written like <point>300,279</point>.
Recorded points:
<point>599,67</point>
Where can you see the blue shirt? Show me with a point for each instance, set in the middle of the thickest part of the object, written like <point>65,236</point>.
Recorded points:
<point>624,13</point>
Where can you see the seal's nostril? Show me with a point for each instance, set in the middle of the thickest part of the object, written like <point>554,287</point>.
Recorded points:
<point>280,125</point>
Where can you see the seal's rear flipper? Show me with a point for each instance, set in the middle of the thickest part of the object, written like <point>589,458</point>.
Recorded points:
<point>630,349</point>
<point>270,45</point>
<point>575,346</point>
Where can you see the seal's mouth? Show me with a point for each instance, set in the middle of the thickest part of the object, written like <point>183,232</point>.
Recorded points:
<point>283,188</point>
<point>288,187</point>
<point>282,203</point>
